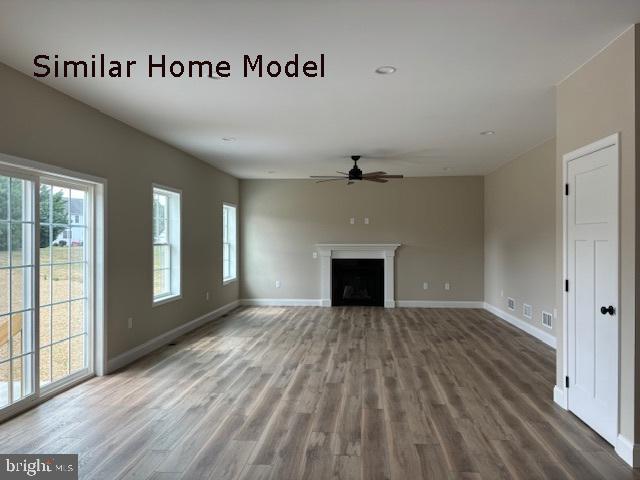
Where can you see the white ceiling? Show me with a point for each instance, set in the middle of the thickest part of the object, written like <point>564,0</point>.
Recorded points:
<point>464,66</point>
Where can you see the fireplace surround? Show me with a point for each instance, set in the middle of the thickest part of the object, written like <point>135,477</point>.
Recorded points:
<point>384,251</point>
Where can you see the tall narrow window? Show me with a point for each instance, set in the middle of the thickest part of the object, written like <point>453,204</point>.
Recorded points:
<point>166,244</point>
<point>228,243</point>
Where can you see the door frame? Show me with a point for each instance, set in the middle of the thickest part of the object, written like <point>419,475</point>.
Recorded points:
<point>98,360</point>
<point>607,142</point>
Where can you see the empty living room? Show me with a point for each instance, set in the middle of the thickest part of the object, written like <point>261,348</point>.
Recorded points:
<point>350,240</point>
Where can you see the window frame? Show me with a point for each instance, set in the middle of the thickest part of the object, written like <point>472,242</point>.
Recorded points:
<point>234,278</point>
<point>175,251</point>
<point>39,172</point>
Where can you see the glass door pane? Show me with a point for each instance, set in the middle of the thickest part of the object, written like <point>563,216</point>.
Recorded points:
<point>16,289</point>
<point>63,282</point>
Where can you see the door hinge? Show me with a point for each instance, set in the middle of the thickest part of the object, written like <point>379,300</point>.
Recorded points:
<point>566,285</point>
<point>566,189</point>
<point>566,382</point>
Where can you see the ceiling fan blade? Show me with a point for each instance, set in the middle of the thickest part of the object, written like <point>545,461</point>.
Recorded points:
<point>373,174</point>
<point>329,180</point>
<point>342,173</point>
<point>389,176</point>
<point>375,179</point>
<point>326,176</point>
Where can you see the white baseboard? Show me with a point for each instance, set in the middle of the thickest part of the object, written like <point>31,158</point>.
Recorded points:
<point>628,451</point>
<point>559,397</point>
<point>312,302</point>
<point>439,304</point>
<point>522,325</point>
<point>161,340</point>
<point>281,302</point>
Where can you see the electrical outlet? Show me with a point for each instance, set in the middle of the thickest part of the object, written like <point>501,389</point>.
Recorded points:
<point>277,283</point>
<point>511,303</point>
<point>366,220</point>
<point>527,311</point>
<point>130,322</point>
<point>425,286</point>
<point>315,254</point>
<point>352,221</point>
<point>207,296</point>
<point>447,286</point>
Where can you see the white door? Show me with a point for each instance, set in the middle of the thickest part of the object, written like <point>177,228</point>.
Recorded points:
<point>592,275</point>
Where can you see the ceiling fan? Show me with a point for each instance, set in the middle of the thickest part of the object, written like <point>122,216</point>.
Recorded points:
<point>356,174</point>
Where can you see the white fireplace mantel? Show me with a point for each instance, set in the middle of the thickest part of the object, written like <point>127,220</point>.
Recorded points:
<point>328,251</point>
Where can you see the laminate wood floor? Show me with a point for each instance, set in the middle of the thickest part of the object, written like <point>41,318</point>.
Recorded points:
<point>322,393</point>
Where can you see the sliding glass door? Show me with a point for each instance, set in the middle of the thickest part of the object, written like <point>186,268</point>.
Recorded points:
<point>45,232</point>
<point>17,287</point>
<point>63,281</point>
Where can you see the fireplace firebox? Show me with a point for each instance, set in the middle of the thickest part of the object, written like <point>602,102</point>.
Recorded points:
<point>357,281</point>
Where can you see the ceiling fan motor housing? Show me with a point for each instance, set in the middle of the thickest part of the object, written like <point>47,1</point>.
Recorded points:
<point>355,173</point>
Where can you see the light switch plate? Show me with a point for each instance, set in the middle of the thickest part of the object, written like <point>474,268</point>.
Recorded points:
<point>352,221</point>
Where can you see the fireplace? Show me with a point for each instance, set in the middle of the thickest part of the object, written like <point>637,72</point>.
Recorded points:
<point>357,281</point>
<point>328,252</point>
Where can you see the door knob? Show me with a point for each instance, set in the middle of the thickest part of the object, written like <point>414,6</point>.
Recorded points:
<point>610,310</point>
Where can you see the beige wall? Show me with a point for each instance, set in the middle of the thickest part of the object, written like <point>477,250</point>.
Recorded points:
<point>439,221</point>
<point>519,241</point>
<point>596,101</point>
<point>41,124</point>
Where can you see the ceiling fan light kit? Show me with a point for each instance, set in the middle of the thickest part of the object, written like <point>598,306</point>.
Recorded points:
<point>355,174</point>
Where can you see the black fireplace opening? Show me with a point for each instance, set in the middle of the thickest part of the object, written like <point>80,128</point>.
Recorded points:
<point>358,281</point>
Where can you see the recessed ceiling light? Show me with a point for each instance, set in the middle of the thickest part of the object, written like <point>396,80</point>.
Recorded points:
<point>488,132</point>
<point>385,70</point>
<point>229,139</point>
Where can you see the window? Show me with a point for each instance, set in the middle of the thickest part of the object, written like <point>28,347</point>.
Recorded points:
<point>166,244</point>
<point>229,239</point>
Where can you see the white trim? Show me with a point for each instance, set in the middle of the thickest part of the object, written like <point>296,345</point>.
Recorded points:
<point>166,299</point>
<point>317,302</point>
<point>610,141</point>
<point>559,396</point>
<point>281,302</point>
<point>34,400</point>
<point>40,168</point>
<point>522,325</point>
<point>161,340</point>
<point>628,451</point>
<point>386,251</point>
<point>439,304</point>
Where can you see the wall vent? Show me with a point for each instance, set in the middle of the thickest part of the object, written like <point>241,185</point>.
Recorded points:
<point>511,303</point>
<point>547,319</point>
<point>527,311</point>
